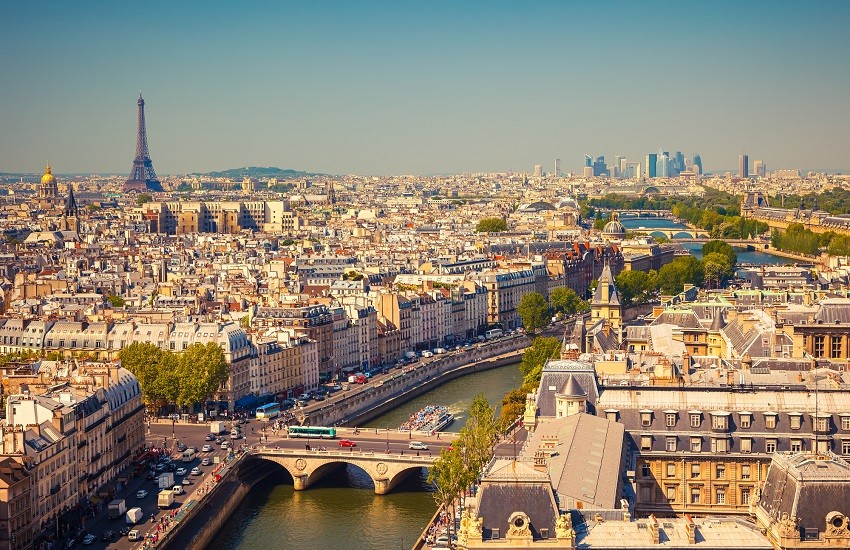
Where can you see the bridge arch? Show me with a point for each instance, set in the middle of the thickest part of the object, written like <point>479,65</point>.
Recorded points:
<point>683,235</point>
<point>659,233</point>
<point>403,473</point>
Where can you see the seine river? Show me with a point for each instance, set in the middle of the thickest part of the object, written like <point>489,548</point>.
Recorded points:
<point>342,510</point>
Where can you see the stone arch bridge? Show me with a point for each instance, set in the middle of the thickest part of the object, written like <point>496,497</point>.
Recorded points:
<point>385,469</point>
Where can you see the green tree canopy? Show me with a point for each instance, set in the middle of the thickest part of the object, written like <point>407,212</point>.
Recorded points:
<point>721,247</point>
<point>636,287</point>
<point>144,198</point>
<point>202,369</point>
<point>716,268</point>
<point>565,300</point>
<point>534,311</point>
<point>681,271</point>
<point>143,360</point>
<point>491,225</point>
<point>599,223</point>
<point>115,301</point>
<point>535,356</point>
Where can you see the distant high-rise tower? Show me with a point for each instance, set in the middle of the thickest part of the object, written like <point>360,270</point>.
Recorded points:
<point>698,163</point>
<point>759,168</point>
<point>557,168</point>
<point>142,177</point>
<point>538,170</point>
<point>744,166</point>
<point>588,160</point>
<point>651,160</point>
<point>662,169</point>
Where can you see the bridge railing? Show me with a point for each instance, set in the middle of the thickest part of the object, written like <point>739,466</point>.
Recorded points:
<point>348,454</point>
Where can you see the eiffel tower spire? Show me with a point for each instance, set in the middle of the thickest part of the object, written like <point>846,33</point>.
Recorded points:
<point>142,177</point>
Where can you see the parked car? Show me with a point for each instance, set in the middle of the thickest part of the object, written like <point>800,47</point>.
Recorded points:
<point>347,443</point>
<point>141,493</point>
<point>417,446</point>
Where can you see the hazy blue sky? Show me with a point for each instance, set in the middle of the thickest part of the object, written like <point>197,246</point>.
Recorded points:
<point>422,87</point>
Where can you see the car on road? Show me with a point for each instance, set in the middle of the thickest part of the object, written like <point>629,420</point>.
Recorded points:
<point>206,462</point>
<point>177,489</point>
<point>181,447</point>
<point>196,471</point>
<point>225,445</point>
<point>159,467</point>
<point>209,437</point>
<point>347,443</point>
<point>181,471</point>
<point>134,535</point>
<point>89,539</point>
<point>417,446</point>
<point>185,481</point>
<point>207,448</point>
<point>107,536</point>
<point>141,493</point>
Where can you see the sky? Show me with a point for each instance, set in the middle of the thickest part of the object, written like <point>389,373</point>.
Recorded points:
<point>416,87</point>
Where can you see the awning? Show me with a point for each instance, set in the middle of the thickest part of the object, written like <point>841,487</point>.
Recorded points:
<point>246,402</point>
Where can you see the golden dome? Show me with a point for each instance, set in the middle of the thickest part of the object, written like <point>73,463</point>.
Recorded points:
<point>48,176</point>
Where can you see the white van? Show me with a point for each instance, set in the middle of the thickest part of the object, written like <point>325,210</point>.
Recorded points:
<point>134,535</point>
<point>177,490</point>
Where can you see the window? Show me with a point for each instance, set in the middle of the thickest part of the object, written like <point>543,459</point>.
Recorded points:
<point>845,423</point>
<point>671,493</point>
<point>746,420</point>
<point>770,446</point>
<point>694,495</point>
<point>645,494</point>
<point>836,347</point>
<point>719,445</point>
<point>696,444</point>
<point>719,422</point>
<point>819,341</point>
<point>694,471</point>
<point>745,495</point>
<point>721,471</point>
<point>671,444</point>
<point>796,420</point>
<point>611,415</point>
<point>770,421</point>
<point>646,443</point>
<point>671,469</point>
<point>845,446</point>
<point>745,471</point>
<point>823,445</point>
<point>645,470</point>
<point>645,418</point>
<point>746,445</point>
<point>721,495</point>
<point>822,423</point>
<point>671,419</point>
<point>696,419</point>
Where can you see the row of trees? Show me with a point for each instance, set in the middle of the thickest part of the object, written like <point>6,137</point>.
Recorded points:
<point>835,201</point>
<point>535,311</point>
<point>535,356</point>
<point>796,238</point>
<point>182,379</point>
<point>715,268</point>
<point>458,467</point>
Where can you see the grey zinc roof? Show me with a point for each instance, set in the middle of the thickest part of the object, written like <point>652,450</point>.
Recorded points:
<point>572,388</point>
<point>585,464</point>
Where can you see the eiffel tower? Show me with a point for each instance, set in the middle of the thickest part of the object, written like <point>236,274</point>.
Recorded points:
<point>142,177</point>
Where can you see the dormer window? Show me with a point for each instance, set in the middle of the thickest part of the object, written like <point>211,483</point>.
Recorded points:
<point>645,418</point>
<point>745,419</point>
<point>796,420</point>
<point>720,421</point>
<point>612,414</point>
<point>670,418</point>
<point>696,418</point>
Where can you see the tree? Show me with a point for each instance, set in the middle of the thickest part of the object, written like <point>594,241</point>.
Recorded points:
<point>144,198</point>
<point>721,247</point>
<point>565,300</point>
<point>534,311</point>
<point>479,434</point>
<point>681,271</point>
<point>635,287</point>
<point>143,359</point>
<point>535,356</point>
<point>716,267</point>
<point>450,475</point>
<point>115,301</point>
<point>491,225</point>
<point>600,222</point>
<point>202,369</point>
<point>513,405</point>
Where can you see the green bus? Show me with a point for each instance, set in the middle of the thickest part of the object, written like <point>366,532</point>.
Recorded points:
<point>317,432</point>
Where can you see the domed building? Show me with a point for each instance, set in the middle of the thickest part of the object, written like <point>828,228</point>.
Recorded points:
<point>48,193</point>
<point>614,229</point>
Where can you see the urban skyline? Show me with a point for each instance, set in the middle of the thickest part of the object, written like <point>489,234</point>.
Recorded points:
<point>386,89</point>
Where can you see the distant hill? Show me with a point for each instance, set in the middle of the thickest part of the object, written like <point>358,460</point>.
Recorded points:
<point>260,172</point>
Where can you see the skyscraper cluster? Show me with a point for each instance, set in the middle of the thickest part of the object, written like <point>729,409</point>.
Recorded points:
<point>656,165</point>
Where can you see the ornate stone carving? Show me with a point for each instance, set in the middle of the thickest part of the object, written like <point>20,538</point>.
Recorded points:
<point>564,527</point>
<point>381,468</point>
<point>465,526</point>
<point>476,528</point>
<point>837,525</point>
<point>300,464</point>
<point>518,526</point>
<point>788,526</point>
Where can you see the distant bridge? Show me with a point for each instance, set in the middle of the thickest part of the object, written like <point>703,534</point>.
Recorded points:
<point>681,234</point>
<point>385,469</point>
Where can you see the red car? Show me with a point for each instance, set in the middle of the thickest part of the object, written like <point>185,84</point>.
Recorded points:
<point>347,443</point>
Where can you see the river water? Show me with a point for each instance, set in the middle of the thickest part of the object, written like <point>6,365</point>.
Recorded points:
<point>342,510</point>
